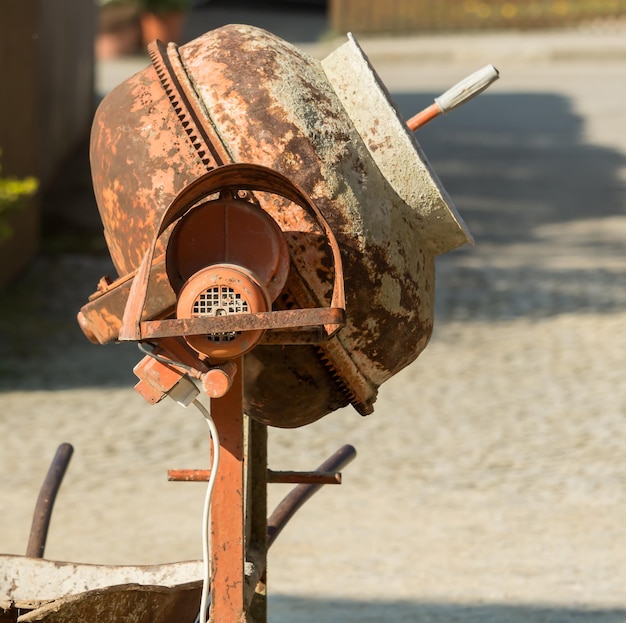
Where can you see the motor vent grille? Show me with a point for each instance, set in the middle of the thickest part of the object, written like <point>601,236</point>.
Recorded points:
<point>220,301</point>
<point>223,290</point>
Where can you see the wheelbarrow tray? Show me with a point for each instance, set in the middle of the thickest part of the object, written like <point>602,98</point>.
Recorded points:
<point>34,589</point>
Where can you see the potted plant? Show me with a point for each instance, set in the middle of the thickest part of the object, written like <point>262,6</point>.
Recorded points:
<point>163,19</point>
<point>19,225</point>
<point>13,191</point>
<point>119,32</point>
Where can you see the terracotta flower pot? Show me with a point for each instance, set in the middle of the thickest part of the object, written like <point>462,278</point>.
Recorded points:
<point>165,27</point>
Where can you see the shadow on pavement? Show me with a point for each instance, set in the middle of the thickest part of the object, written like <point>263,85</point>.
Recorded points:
<point>540,201</point>
<point>517,161</point>
<point>301,610</point>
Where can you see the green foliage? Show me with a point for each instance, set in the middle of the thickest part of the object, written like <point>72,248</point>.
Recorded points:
<point>13,191</point>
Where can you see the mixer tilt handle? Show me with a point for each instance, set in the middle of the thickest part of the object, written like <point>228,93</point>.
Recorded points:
<point>460,93</point>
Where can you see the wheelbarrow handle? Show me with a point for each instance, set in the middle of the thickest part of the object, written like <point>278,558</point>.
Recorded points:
<point>45,501</point>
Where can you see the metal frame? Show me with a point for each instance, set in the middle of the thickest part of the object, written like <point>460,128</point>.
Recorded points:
<point>241,535</point>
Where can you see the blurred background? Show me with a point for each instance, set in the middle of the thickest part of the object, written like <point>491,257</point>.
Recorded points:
<point>53,53</point>
<point>491,482</point>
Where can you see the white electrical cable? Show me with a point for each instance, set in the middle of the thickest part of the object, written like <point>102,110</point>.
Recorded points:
<point>206,512</point>
<point>144,349</point>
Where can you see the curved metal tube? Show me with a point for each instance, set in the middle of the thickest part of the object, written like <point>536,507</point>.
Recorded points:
<point>45,501</point>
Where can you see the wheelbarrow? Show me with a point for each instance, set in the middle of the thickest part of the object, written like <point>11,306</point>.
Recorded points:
<point>35,589</point>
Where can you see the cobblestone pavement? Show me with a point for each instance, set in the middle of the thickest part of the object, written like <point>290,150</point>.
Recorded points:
<point>491,481</point>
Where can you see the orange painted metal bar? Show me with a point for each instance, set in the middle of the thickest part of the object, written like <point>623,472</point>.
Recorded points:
<point>278,319</point>
<point>424,116</point>
<point>273,477</point>
<point>313,478</point>
<point>290,504</point>
<point>188,475</point>
<point>227,519</point>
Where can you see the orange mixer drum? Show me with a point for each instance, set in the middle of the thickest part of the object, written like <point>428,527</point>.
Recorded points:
<point>239,94</point>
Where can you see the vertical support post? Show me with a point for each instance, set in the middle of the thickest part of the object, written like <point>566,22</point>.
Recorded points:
<point>257,516</point>
<point>228,509</point>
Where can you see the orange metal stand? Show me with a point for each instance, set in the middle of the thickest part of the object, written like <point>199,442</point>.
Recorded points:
<point>227,532</point>
<point>240,531</point>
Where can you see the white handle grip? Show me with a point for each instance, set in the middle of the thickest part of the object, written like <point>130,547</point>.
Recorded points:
<point>466,89</point>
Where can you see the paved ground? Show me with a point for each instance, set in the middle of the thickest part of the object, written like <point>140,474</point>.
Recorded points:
<point>491,481</point>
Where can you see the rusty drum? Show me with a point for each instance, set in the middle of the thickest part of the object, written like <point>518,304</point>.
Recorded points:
<point>241,95</point>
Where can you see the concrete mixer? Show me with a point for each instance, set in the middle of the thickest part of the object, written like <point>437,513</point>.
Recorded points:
<point>274,225</point>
